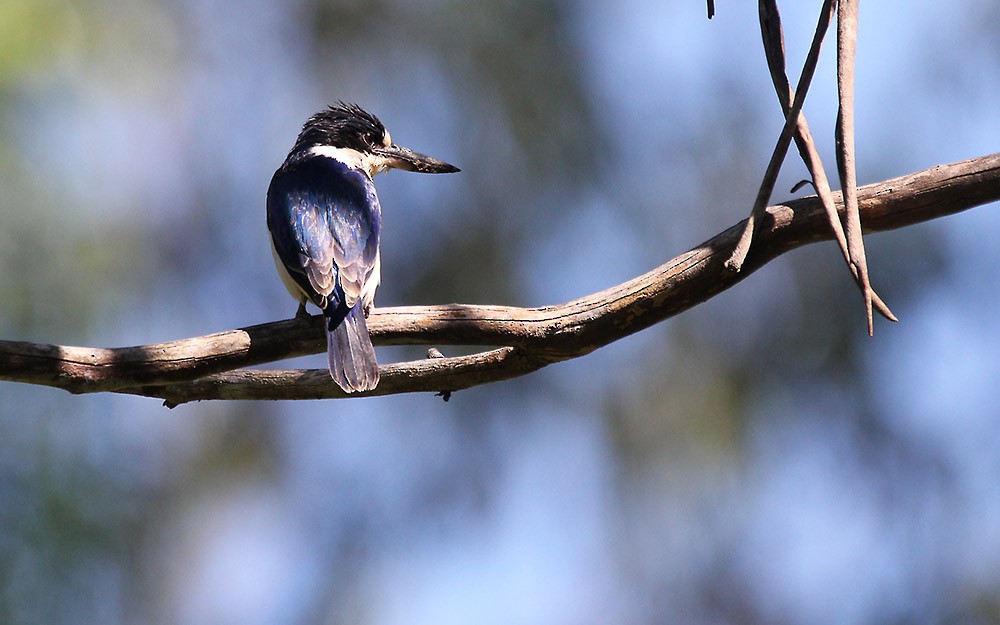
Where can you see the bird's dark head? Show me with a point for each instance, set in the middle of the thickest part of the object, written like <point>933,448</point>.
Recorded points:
<point>357,138</point>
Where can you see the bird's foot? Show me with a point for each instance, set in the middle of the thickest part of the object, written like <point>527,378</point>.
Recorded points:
<point>301,312</point>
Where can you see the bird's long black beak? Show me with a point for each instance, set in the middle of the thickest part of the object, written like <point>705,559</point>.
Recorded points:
<point>404,158</point>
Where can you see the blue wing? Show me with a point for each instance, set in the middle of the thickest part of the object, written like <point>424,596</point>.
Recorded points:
<point>324,220</point>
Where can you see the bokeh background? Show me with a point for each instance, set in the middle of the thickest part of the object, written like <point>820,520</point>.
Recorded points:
<point>758,459</point>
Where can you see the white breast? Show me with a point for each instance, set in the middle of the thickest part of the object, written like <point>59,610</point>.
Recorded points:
<point>371,284</point>
<point>286,278</point>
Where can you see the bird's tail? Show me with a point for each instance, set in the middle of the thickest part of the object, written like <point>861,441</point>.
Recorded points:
<point>350,350</point>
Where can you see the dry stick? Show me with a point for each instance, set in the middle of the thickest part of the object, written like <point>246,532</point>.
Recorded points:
<point>847,43</point>
<point>774,50</point>
<point>784,139</point>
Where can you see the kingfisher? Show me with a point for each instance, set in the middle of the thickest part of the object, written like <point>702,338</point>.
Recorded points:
<point>325,222</point>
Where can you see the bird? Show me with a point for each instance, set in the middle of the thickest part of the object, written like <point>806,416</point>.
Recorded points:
<point>325,222</point>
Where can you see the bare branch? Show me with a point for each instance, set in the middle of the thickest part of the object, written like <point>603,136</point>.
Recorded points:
<point>534,337</point>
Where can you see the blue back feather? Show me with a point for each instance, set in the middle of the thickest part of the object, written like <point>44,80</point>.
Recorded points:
<point>324,220</point>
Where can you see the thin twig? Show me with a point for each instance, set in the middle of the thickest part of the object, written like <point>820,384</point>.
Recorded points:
<point>774,51</point>
<point>847,41</point>
<point>735,263</point>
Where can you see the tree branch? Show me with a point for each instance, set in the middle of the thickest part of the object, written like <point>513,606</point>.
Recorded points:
<point>192,369</point>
